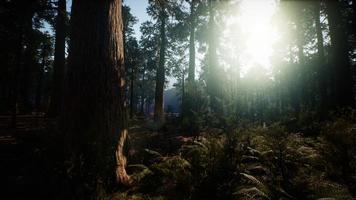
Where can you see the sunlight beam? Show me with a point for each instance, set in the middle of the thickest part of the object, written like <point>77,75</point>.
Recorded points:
<point>253,23</point>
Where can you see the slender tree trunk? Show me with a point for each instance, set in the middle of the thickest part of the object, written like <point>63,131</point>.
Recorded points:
<point>183,93</point>
<point>142,111</point>
<point>191,71</point>
<point>148,106</point>
<point>132,92</point>
<point>15,77</point>
<point>59,60</point>
<point>93,117</point>
<point>280,100</point>
<point>321,56</point>
<point>342,92</point>
<point>212,82</point>
<point>187,97</point>
<point>29,60</point>
<point>301,89</point>
<point>353,20</point>
<point>143,90</point>
<point>21,29</point>
<point>38,99</point>
<point>160,77</point>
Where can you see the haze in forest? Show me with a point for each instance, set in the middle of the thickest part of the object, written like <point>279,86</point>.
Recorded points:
<point>178,99</point>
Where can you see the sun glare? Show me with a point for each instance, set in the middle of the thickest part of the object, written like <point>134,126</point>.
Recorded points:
<point>251,33</point>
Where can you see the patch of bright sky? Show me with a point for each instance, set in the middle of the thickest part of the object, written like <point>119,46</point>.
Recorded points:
<point>254,22</point>
<point>47,27</point>
<point>138,9</point>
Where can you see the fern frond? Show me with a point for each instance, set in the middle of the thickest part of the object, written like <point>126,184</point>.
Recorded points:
<point>153,153</point>
<point>252,193</point>
<point>253,180</point>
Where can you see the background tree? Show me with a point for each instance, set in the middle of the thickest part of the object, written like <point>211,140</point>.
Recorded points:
<point>160,77</point>
<point>59,58</point>
<point>21,27</point>
<point>212,82</point>
<point>133,58</point>
<point>149,44</point>
<point>342,91</point>
<point>322,73</point>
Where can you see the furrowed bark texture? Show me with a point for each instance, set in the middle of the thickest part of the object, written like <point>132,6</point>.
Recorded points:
<point>93,114</point>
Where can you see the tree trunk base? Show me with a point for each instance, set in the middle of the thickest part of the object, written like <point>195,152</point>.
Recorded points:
<point>121,175</point>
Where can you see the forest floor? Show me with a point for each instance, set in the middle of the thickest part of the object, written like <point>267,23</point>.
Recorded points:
<point>24,161</point>
<point>19,155</point>
<point>252,162</point>
<point>144,136</point>
<point>265,162</point>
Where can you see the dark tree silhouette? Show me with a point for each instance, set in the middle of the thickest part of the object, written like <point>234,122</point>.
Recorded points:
<point>212,68</point>
<point>322,71</point>
<point>192,27</point>
<point>59,59</point>
<point>160,77</point>
<point>342,87</point>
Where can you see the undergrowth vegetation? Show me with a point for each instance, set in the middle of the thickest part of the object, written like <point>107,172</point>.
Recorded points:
<point>251,162</point>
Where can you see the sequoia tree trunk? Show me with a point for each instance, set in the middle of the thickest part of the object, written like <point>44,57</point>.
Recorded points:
<point>143,91</point>
<point>321,56</point>
<point>29,60</point>
<point>132,81</point>
<point>39,86</point>
<point>59,60</point>
<point>160,76</point>
<point>187,96</point>
<point>342,92</point>
<point>212,70</point>
<point>93,117</point>
<point>191,70</point>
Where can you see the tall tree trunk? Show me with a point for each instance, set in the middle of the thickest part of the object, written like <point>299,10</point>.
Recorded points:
<point>15,77</point>
<point>142,110</point>
<point>191,70</point>
<point>321,56</point>
<point>212,72</point>
<point>148,106</point>
<point>160,76</point>
<point>25,14</point>
<point>353,18</point>
<point>302,89</point>
<point>29,60</point>
<point>187,96</point>
<point>93,117</point>
<point>183,93</point>
<point>38,98</point>
<point>132,91</point>
<point>59,60</point>
<point>143,90</point>
<point>342,91</point>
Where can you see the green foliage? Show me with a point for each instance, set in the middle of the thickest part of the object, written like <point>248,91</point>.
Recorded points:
<point>251,193</point>
<point>294,165</point>
<point>256,162</point>
<point>170,177</point>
